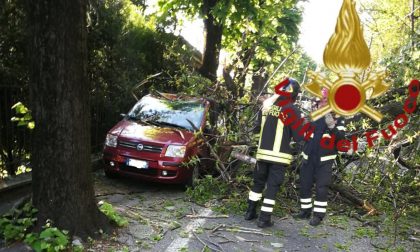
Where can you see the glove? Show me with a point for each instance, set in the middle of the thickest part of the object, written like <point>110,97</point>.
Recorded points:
<point>268,102</point>
<point>329,120</point>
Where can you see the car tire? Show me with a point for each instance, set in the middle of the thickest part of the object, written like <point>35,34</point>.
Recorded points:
<point>192,181</point>
<point>111,175</point>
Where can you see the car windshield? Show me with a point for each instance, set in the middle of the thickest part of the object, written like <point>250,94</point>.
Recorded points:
<point>168,113</point>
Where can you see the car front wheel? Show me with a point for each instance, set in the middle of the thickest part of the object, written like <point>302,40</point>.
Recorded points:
<point>192,181</point>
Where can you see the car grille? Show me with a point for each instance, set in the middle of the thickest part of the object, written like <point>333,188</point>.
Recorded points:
<point>132,145</point>
<point>149,171</point>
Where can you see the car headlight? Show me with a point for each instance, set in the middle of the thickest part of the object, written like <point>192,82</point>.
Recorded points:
<point>111,140</point>
<point>175,151</point>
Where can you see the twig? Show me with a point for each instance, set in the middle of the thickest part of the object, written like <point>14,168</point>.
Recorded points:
<point>413,238</point>
<point>107,194</point>
<point>357,217</point>
<point>245,231</point>
<point>223,242</point>
<point>275,71</point>
<point>250,240</point>
<point>226,240</point>
<point>206,217</point>
<point>134,208</point>
<point>205,244</point>
<point>222,169</point>
<point>245,228</point>
<point>241,239</point>
<point>216,228</point>
<point>376,245</point>
<point>129,213</point>
<point>215,244</point>
<point>202,242</point>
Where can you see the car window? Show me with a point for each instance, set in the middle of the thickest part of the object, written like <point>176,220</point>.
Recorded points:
<point>175,113</point>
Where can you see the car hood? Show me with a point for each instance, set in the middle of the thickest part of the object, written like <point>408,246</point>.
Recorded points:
<point>154,134</point>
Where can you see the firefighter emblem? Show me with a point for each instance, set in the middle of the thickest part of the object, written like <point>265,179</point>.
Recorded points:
<point>348,56</point>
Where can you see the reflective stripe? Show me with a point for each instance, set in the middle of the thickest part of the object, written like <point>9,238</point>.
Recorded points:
<point>312,135</point>
<point>254,196</point>
<point>320,203</point>
<point>275,153</point>
<point>341,128</point>
<point>269,201</point>
<point>328,157</point>
<point>304,156</point>
<point>320,210</point>
<point>308,200</point>
<point>267,209</point>
<point>264,117</point>
<point>273,159</point>
<point>279,137</point>
<point>326,135</point>
<point>306,206</point>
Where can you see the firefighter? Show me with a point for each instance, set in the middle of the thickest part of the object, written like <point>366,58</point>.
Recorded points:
<point>317,167</point>
<point>273,154</point>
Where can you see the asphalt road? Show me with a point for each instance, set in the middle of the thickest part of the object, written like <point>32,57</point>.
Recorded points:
<point>158,221</point>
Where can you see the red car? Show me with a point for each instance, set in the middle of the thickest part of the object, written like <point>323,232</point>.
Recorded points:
<point>155,138</point>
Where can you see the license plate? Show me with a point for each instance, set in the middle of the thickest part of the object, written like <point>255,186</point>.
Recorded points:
<point>139,164</point>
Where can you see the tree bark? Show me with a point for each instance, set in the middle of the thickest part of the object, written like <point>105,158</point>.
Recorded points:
<point>213,39</point>
<point>59,90</point>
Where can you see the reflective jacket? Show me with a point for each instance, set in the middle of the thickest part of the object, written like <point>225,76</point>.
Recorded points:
<point>313,146</point>
<point>274,144</point>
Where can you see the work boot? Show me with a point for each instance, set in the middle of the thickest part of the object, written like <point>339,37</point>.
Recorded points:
<point>251,212</point>
<point>316,220</point>
<point>303,214</point>
<point>265,220</point>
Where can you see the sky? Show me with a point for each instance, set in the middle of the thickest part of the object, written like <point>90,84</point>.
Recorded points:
<point>318,24</point>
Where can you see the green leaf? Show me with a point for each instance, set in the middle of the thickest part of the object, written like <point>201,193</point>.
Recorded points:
<point>44,245</point>
<point>36,246</point>
<point>47,233</point>
<point>17,105</point>
<point>31,125</point>
<point>22,123</point>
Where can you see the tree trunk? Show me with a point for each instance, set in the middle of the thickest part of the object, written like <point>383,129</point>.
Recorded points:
<point>355,199</point>
<point>258,80</point>
<point>62,180</point>
<point>213,39</point>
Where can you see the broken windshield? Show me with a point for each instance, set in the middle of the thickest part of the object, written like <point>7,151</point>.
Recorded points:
<point>169,113</point>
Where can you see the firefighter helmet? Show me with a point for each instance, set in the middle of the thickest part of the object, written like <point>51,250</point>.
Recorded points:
<point>292,87</point>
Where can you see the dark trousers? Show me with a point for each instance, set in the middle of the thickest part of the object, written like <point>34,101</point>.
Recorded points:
<point>314,171</point>
<point>270,174</point>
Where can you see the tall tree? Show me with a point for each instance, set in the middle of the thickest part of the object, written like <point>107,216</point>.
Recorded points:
<point>213,41</point>
<point>389,28</point>
<point>213,20</point>
<point>252,32</point>
<point>62,181</point>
